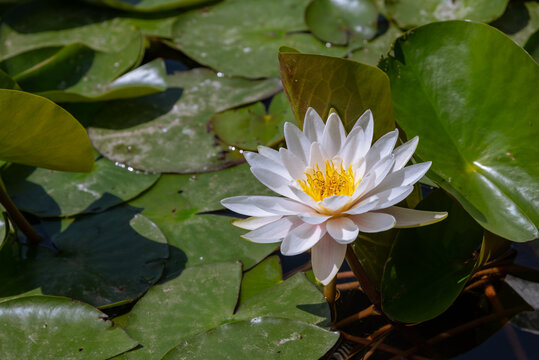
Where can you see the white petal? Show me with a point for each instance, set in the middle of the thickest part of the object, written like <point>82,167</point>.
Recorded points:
<point>269,153</point>
<point>317,155</point>
<point>404,152</point>
<point>364,185</point>
<point>296,141</point>
<point>354,148</point>
<point>293,164</point>
<point>413,218</point>
<point>253,223</point>
<point>313,126</point>
<point>392,196</point>
<point>363,206</point>
<point>382,148</point>
<point>406,176</point>
<point>273,232</point>
<point>334,135</point>
<point>373,222</point>
<point>342,229</point>
<point>273,181</point>
<point>302,238</point>
<point>313,218</point>
<point>259,161</point>
<point>335,202</point>
<point>380,170</point>
<point>270,205</point>
<point>366,122</point>
<point>327,257</point>
<point>304,198</point>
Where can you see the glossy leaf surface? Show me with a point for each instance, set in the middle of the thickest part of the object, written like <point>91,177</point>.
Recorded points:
<point>428,266</point>
<point>58,328</point>
<point>263,276</point>
<point>168,132</point>
<point>347,86</point>
<point>242,37</point>
<point>475,119</point>
<point>52,140</point>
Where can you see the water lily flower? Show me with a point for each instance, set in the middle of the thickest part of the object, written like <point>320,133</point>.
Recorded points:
<point>333,186</point>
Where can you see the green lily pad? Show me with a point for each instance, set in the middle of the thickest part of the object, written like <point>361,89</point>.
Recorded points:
<point>101,259</point>
<point>409,13</point>
<point>371,51</point>
<point>414,291</point>
<point>519,21</point>
<point>52,140</point>
<point>49,193</point>
<point>448,101</point>
<point>42,24</point>
<point>7,82</point>
<point>339,21</point>
<point>260,278</point>
<point>259,338</point>
<point>349,87</point>
<point>250,126</point>
<point>242,37</point>
<point>57,328</point>
<point>276,301</point>
<point>200,299</point>
<point>532,46</point>
<point>149,5</point>
<point>168,132</point>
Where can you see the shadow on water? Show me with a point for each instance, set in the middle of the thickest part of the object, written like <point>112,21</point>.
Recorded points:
<point>101,258</point>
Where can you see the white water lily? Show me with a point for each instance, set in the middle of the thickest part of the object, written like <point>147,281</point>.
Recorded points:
<point>334,187</point>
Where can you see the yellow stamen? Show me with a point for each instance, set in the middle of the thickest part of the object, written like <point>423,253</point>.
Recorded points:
<point>333,181</point>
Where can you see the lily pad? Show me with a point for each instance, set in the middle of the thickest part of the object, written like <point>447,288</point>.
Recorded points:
<point>7,82</point>
<point>52,140</point>
<point>340,22</point>
<point>371,51</point>
<point>200,299</point>
<point>414,291</point>
<point>262,277</point>
<point>250,126</point>
<point>259,338</point>
<point>101,259</point>
<point>242,37</point>
<point>519,21</point>
<point>48,193</point>
<point>168,132</point>
<point>149,5</point>
<point>57,328</point>
<point>409,13</point>
<point>448,101</point>
<point>347,86</point>
<point>42,24</point>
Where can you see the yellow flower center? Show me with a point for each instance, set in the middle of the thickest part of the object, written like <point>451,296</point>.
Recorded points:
<point>333,181</point>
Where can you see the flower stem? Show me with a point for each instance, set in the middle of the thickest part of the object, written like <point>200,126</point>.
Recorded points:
<point>330,293</point>
<point>364,281</point>
<point>17,217</point>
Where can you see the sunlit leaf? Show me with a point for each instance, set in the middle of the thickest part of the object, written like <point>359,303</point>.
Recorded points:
<point>262,277</point>
<point>371,51</point>
<point>474,113</point>
<point>149,5</point>
<point>37,132</point>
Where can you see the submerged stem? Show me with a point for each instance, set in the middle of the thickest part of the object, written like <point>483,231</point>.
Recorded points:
<point>17,217</point>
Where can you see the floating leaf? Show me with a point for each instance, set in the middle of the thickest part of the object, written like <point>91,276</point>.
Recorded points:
<point>371,51</point>
<point>101,259</point>
<point>459,107</point>
<point>242,37</point>
<point>149,5</point>
<point>347,86</point>
<point>262,277</point>
<point>409,13</point>
<point>200,299</point>
<point>414,291</point>
<point>259,338</point>
<point>6,82</point>
<point>340,21</point>
<point>168,132</point>
<point>250,126</point>
<point>520,20</point>
<point>58,328</point>
<point>49,193</point>
<point>52,140</point>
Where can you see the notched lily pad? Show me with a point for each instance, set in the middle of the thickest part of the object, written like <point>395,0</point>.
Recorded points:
<point>250,126</point>
<point>169,132</point>
<point>100,259</point>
